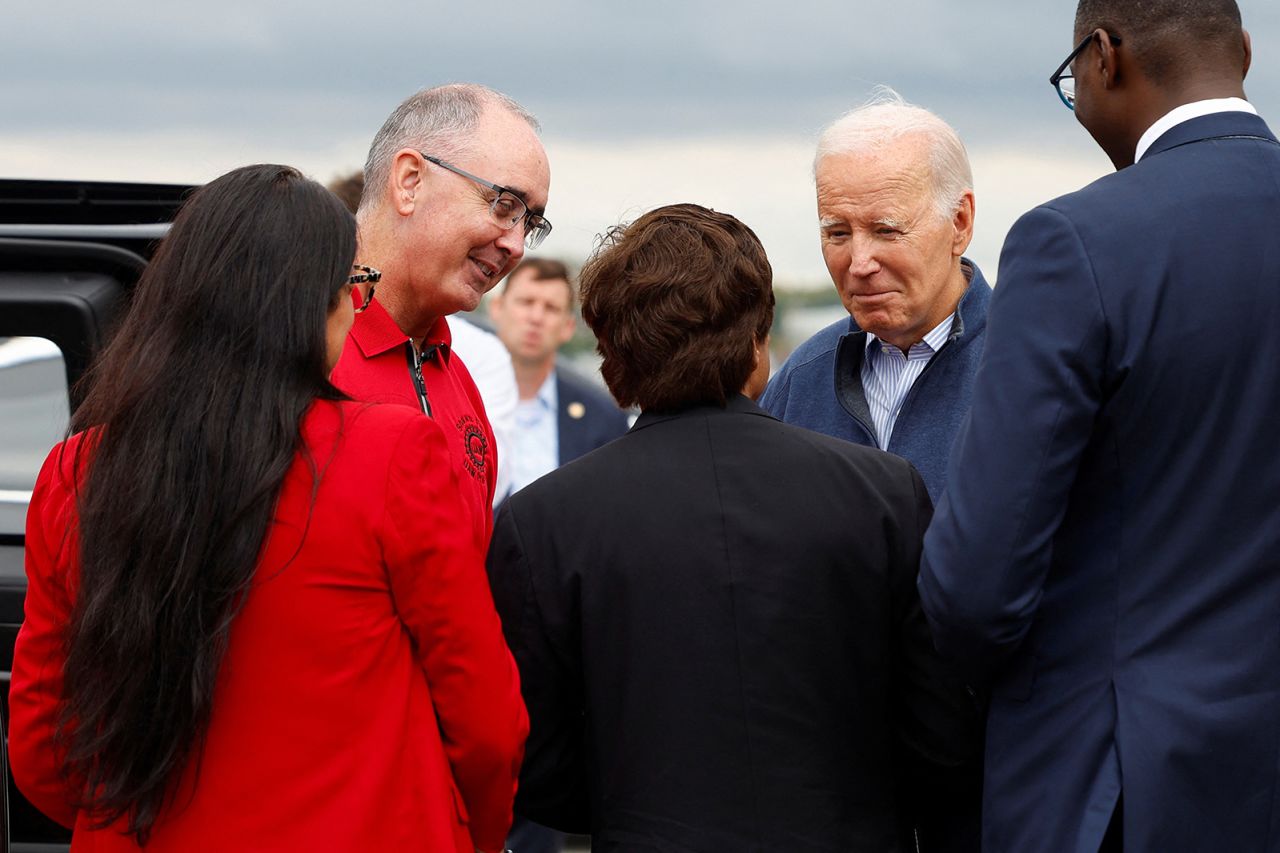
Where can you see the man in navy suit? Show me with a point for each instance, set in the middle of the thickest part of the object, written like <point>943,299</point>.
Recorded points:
<point>560,415</point>
<point>1107,549</point>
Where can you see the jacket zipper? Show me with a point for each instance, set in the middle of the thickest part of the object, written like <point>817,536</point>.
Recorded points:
<point>870,429</point>
<point>911,392</point>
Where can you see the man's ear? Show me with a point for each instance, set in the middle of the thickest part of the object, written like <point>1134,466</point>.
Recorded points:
<point>495,307</point>
<point>1248,54</point>
<point>405,181</point>
<point>962,223</point>
<point>1108,59</point>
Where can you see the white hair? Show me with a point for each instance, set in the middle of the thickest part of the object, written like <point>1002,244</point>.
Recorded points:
<point>438,121</point>
<point>886,118</point>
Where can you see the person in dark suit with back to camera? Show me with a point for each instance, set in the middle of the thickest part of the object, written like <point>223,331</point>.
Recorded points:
<point>715,616</point>
<point>1107,550</point>
<point>560,415</point>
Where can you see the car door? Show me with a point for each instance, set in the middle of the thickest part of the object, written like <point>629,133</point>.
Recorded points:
<point>58,300</point>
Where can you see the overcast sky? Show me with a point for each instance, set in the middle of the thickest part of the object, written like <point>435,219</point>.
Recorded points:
<point>642,103</point>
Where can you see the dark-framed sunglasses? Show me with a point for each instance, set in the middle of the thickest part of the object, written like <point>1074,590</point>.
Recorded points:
<point>366,275</point>
<point>1063,81</point>
<point>507,207</point>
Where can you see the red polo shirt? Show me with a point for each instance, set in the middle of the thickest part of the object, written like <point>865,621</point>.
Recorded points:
<point>377,366</point>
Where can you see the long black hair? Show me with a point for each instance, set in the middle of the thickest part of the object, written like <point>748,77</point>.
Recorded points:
<point>193,415</point>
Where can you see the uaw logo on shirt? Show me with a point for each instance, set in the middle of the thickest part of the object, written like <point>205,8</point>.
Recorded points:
<point>475,446</point>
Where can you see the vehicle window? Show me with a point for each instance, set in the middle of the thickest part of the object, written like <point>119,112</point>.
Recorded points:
<point>34,412</point>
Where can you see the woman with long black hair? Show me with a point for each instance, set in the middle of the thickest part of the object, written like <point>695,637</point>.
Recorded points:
<point>255,617</point>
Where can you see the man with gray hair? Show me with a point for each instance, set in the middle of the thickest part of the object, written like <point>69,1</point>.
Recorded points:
<point>455,187</point>
<point>895,208</point>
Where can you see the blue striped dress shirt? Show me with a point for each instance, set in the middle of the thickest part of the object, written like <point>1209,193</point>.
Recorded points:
<point>887,375</point>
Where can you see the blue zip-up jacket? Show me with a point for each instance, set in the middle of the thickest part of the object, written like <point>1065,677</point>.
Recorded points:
<point>820,388</point>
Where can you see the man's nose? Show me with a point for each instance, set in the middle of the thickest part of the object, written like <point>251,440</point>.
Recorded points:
<point>512,241</point>
<point>862,258</point>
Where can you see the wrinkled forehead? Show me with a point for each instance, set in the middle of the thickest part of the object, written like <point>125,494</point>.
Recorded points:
<point>894,175</point>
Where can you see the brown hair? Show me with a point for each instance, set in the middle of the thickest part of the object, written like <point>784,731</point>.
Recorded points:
<point>348,189</point>
<point>543,269</point>
<point>677,301</point>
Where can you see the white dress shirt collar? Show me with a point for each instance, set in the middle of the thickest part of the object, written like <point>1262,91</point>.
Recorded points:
<point>932,341</point>
<point>1186,112</point>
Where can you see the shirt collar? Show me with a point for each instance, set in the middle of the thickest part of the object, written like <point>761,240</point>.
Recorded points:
<point>375,332</point>
<point>933,339</point>
<point>1186,112</point>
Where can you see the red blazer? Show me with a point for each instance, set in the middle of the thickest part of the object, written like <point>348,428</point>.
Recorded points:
<point>367,700</point>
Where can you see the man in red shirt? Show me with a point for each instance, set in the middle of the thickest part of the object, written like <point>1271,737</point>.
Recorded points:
<point>455,186</point>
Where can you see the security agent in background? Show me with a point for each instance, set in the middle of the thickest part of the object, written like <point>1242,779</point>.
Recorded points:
<point>560,415</point>
<point>896,213</point>
<point>1107,551</point>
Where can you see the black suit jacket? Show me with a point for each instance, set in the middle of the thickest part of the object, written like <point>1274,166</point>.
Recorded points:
<point>588,417</point>
<point>720,641</point>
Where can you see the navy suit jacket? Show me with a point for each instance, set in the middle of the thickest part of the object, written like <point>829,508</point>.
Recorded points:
<point>1107,548</point>
<point>588,417</point>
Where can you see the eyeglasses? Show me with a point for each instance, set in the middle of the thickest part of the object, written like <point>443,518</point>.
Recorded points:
<point>1063,80</point>
<point>507,208</point>
<point>367,275</point>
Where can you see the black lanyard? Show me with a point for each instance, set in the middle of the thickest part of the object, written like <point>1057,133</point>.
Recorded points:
<point>415,370</point>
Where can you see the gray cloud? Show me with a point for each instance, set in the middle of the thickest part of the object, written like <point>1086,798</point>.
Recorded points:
<point>602,70</point>
<point>642,103</point>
